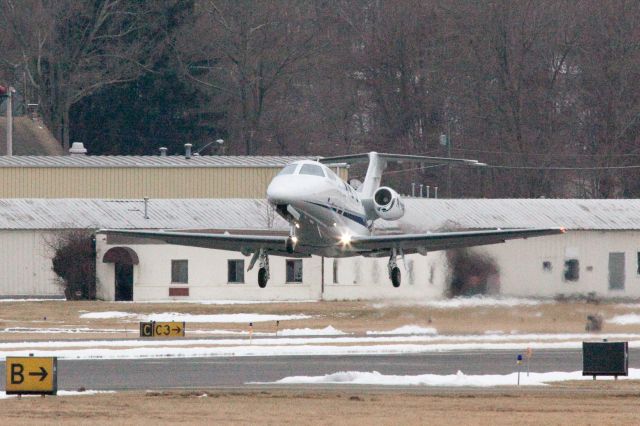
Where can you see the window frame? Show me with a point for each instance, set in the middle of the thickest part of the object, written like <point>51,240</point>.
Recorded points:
<point>235,262</point>
<point>292,167</point>
<point>293,279</point>
<point>312,167</point>
<point>175,272</point>
<point>569,268</point>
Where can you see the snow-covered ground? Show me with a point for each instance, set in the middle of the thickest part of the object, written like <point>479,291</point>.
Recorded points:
<point>327,331</point>
<point>293,345</point>
<point>59,330</point>
<point>3,394</point>
<point>625,319</point>
<point>193,318</point>
<point>450,380</point>
<point>469,302</point>
<point>407,329</point>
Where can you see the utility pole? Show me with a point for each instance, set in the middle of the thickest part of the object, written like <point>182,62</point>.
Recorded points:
<point>445,139</point>
<point>8,93</point>
<point>10,121</point>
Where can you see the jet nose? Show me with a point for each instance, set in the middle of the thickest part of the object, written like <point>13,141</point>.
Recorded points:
<point>284,190</point>
<point>276,193</point>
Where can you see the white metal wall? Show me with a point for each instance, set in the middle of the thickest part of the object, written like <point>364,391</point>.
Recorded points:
<point>359,278</point>
<point>25,264</point>
<point>522,274</point>
<point>425,278</point>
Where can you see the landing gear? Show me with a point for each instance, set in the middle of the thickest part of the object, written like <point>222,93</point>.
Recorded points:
<point>394,271</point>
<point>263,277</point>
<point>263,272</point>
<point>396,277</point>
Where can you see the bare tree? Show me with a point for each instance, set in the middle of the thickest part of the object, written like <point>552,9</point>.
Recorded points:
<point>246,52</point>
<point>70,50</point>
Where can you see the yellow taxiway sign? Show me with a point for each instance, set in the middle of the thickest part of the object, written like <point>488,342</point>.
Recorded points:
<point>162,329</point>
<point>32,375</point>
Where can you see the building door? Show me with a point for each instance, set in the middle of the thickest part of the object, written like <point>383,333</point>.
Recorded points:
<point>124,282</point>
<point>616,271</point>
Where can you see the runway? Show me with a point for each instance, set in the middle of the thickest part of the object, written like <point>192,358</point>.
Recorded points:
<point>171,373</point>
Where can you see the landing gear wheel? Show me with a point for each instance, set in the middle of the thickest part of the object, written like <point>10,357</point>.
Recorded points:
<point>396,277</point>
<point>263,277</point>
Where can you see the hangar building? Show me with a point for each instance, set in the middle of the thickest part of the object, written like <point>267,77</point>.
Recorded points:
<point>128,177</point>
<point>600,252</point>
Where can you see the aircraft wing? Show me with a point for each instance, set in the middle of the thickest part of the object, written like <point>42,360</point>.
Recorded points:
<point>236,242</point>
<point>398,158</point>
<point>412,243</point>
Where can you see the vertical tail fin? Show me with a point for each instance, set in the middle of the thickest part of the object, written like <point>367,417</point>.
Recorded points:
<point>374,175</point>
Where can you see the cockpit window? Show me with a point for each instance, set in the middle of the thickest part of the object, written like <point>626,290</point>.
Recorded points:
<point>311,169</point>
<point>288,170</point>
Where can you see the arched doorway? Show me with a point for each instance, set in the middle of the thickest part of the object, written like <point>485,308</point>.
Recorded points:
<point>123,259</point>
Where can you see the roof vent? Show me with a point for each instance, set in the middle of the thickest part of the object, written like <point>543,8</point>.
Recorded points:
<point>77,148</point>
<point>163,151</point>
<point>187,150</point>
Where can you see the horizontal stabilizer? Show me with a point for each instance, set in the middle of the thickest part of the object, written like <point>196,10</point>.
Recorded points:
<point>398,158</point>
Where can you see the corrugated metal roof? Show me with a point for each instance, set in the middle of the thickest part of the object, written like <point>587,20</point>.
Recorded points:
<point>146,161</point>
<point>421,214</point>
<point>574,214</point>
<point>129,214</point>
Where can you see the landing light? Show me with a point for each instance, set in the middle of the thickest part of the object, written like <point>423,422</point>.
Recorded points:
<point>294,240</point>
<point>298,225</point>
<point>345,239</point>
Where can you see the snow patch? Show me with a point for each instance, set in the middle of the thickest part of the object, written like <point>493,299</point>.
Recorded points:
<point>192,318</point>
<point>451,380</point>
<point>327,331</point>
<point>3,394</point>
<point>625,319</point>
<point>221,318</point>
<point>407,329</point>
<point>106,315</point>
<point>34,330</point>
<point>481,301</point>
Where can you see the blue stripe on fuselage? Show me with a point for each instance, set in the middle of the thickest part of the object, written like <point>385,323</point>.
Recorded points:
<point>354,217</point>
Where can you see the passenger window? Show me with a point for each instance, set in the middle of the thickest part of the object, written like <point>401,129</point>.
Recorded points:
<point>311,169</point>
<point>288,170</point>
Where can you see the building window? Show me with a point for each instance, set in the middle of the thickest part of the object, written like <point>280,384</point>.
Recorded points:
<point>294,270</point>
<point>571,270</point>
<point>335,271</point>
<point>546,266</point>
<point>180,271</point>
<point>235,271</point>
<point>638,264</point>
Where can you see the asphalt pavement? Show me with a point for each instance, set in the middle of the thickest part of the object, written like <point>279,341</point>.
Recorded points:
<point>237,372</point>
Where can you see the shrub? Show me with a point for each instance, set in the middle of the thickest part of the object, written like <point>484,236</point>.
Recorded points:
<point>471,273</point>
<point>74,262</point>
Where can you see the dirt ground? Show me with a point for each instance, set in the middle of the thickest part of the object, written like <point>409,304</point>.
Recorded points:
<point>351,317</point>
<point>584,404</point>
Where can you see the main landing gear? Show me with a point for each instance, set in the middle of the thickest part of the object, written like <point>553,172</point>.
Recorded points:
<point>394,272</point>
<point>263,271</point>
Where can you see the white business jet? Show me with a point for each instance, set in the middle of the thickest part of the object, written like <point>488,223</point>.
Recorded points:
<point>330,218</point>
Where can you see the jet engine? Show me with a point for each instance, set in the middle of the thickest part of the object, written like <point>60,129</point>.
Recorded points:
<point>387,204</point>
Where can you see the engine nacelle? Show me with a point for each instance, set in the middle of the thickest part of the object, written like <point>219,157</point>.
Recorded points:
<point>387,204</point>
